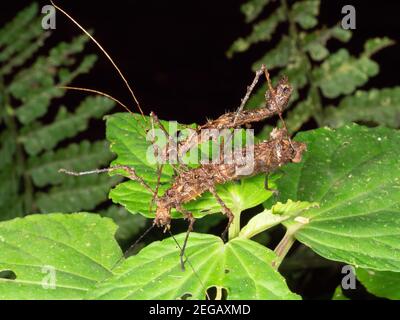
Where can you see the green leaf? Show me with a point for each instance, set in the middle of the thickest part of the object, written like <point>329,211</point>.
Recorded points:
<point>76,193</point>
<point>76,157</point>
<point>315,42</point>
<point>305,13</point>
<point>383,284</point>
<point>297,71</point>
<point>11,204</point>
<point>37,103</point>
<point>261,31</point>
<point>129,224</point>
<point>18,25</point>
<point>342,73</point>
<point>338,294</point>
<point>301,113</point>
<point>66,125</point>
<point>374,45</point>
<point>318,52</point>
<point>238,196</point>
<point>354,174</point>
<point>7,148</point>
<point>252,9</point>
<point>379,106</point>
<point>341,34</point>
<point>271,217</point>
<point>79,248</point>
<point>241,266</point>
<point>278,56</point>
<point>24,55</point>
<point>21,41</point>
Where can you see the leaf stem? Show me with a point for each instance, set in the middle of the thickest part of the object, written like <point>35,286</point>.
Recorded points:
<point>234,229</point>
<point>284,245</point>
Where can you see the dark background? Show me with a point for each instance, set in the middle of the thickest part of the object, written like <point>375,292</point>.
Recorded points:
<point>173,54</point>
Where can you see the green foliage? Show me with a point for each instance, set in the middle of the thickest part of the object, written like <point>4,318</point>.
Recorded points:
<point>88,263</point>
<point>356,221</point>
<point>79,249</point>
<point>342,201</point>
<point>30,148</point>
<point>376,106</point>
<point>36,131</point>
<point>338,295</point>
<point>353,173</point>
<point>383,284</point>
<point>304,55</point>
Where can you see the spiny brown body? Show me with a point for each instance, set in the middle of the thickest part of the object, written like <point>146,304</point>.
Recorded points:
<point>268,156</point>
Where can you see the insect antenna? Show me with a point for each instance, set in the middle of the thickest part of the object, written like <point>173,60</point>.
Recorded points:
<point>190,264</point>
<point>104,95</point>
<point>159,166</point>
<point>250,89</point>
<point>133,246</point>
<point>106,54</point>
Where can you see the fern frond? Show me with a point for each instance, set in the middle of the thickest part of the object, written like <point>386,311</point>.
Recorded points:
<point>77,194</point>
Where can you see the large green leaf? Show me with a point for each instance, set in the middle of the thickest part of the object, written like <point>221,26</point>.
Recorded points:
<point>379,106</point>
<point>383,284</point>
<point>241,266</point>
<point>79,248</point>
<point>354,174</point>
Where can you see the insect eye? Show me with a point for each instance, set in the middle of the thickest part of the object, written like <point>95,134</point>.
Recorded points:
<point>285,90</point>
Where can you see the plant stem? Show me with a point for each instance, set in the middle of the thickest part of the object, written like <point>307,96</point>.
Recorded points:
<point>234,229</point>
<point>284,245</point>
<point>11,124</point>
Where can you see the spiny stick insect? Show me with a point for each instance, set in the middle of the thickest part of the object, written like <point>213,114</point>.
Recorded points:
<point>191,183</point>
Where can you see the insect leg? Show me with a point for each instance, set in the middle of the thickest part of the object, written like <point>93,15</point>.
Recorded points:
<point>159,166</point>
<point>130,171</point>
<point>225,210</point>
<point>274,191</point>
<point>191,219</point>
<point>249,91</point>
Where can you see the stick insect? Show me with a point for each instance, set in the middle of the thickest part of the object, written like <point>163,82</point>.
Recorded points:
<point>191,183</point>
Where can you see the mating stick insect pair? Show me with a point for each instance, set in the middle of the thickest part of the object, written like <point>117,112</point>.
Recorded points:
<point>190,183</point>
